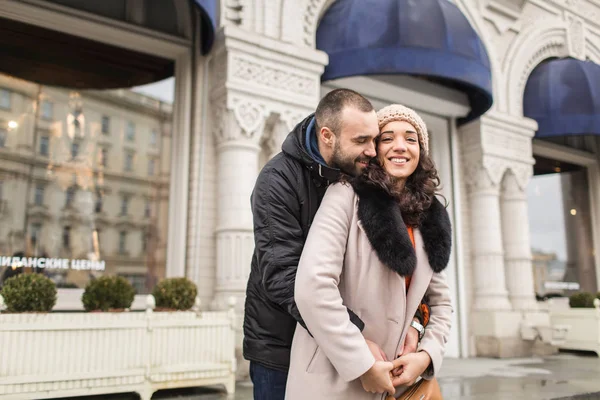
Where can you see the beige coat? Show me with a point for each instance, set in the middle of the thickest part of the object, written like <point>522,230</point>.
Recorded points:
<point>340,270</point>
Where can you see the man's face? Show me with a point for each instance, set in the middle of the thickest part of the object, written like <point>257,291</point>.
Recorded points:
<point>355,144</point>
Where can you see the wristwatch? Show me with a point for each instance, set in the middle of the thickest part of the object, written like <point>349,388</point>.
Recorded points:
<point>419,328</point>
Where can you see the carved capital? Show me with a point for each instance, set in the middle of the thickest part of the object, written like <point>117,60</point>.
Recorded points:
<point>514,183</point>
<point>238,119</point>
<point>478,178</point>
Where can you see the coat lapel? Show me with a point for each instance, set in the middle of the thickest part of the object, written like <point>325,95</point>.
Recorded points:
<point>419,281</point>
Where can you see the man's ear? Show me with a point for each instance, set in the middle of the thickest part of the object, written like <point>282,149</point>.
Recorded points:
<point>327,136</point>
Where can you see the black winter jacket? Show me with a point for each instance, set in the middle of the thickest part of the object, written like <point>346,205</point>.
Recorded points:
<point>285,199</point>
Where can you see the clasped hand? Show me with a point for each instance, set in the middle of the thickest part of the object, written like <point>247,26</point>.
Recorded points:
<point>384,376</point>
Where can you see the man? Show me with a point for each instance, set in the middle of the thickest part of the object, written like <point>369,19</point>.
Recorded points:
<point>339,137</point>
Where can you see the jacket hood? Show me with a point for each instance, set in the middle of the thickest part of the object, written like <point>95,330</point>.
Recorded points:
<point>294,146</point>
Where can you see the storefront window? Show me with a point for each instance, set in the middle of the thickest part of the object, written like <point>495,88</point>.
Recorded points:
<point>5,99</point>
<point>3,134</point>
<point>105,125</point>
<point>69,199</point>
<point>561,232</point>
<point>44,145</point>
<point>47,109</point>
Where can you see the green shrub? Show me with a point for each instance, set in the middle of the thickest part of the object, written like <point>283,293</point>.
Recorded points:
<point>582,300</point>
<point>29,293</point>
<point>108,293</point>
<point>175,293</point>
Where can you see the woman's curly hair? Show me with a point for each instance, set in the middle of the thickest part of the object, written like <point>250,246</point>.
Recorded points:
<point>418,192</point>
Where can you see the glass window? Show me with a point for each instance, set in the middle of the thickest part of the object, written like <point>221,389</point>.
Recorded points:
<point>66,237</point>
<point>105,124</point>
<point>69,196</point>
<point>73,177</point>
<point>558,198</point>
<point>47,109</point>
<point>74,149</point>
<point>5,99</point>
<point>147,208</point>
<point>122,242</point>
<point>130,135</point>
<point>128,167</point>
<point>99,202</point>
<point>104,157</point>
<point>39,195</point>
<point>124,205</point>
<point>151,163</point>
<point>137,281</point>
<point>153,137</point>
<point>77,118</point>
<point>34,233</point>
<point>44,145</point>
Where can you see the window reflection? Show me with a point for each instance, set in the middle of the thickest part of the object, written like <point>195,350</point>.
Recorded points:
<point>81,190</point>
<point>561,232</point>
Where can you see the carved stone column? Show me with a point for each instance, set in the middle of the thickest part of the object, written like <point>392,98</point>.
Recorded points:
<point>487,247</point>
<point>497,165</point>
<point>515,233</point>
<point>238,128</point>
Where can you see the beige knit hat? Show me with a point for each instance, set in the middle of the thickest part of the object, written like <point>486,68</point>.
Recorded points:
<point>398,112</point>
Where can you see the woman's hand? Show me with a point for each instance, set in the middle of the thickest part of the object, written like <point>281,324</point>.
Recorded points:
<point>410,367</point>
<point>378,379</point>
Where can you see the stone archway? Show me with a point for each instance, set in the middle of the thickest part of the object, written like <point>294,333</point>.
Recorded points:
<point>533,46</point>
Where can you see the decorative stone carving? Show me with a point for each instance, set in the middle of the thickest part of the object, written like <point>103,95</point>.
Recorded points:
<point>576,36</point>
<point>258,73</point>
<point>292,118</point>
<point>238,119</point>
<point>503,14</point>
<point>478,178</point>
<point>523,173</point>
<point>314,9</point>
<point>249,116</point>
<point>233,11</point>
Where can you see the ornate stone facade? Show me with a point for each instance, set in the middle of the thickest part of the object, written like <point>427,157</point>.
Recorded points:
<point>265,77</point>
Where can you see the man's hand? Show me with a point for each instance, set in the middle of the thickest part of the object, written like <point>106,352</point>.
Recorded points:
<point>411,341</point>
<point>376,351</point>
<point>411,366</point>
<point>378,378</point>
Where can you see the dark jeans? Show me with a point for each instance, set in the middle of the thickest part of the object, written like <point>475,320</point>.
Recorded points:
<point>269,384</point>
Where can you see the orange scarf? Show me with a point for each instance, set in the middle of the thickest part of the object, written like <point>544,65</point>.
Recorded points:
<point>411,234</point>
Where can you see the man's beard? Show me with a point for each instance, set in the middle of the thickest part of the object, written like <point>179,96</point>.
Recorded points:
<point>345,163</point>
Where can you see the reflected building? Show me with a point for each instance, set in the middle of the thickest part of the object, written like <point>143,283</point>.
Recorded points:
<point>85,175</point>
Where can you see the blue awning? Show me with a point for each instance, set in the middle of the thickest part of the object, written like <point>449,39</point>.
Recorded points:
<point>208,12</point>
<point>563,96</point>
<point>427,38</point>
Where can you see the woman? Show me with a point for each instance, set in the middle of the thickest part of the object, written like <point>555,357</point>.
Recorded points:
<point>371,238</point>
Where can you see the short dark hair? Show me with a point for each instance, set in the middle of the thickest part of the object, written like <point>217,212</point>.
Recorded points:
<point>333,103</point>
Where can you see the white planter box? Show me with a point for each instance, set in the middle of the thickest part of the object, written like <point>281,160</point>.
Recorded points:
<point>584,332</point>
<point>75,354</point>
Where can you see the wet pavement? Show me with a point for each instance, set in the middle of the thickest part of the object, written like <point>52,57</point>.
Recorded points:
<point>559,377</point>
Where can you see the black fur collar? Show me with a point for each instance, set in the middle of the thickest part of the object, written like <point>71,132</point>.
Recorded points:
<point>382,221</point>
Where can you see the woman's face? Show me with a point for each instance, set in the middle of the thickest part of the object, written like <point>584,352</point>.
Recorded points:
<point>398,149</point>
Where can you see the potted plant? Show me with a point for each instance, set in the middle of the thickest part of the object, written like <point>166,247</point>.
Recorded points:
<point>581,300</point>
<point>29,293</point>
<point>583,318</point>
<point>175,294</point>
<point>108,293</point>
